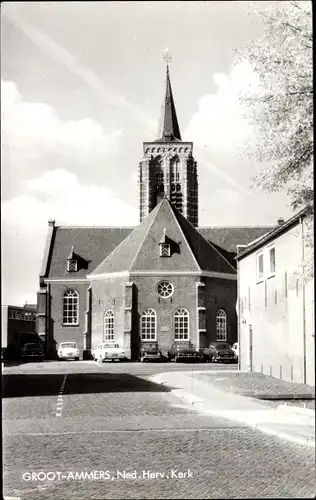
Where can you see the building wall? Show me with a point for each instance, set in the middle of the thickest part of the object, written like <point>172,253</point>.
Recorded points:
<point>220,294</point>
<point>273,338</point>
<point>65,333</point>
<point>184,296</point>
<point>108,294</point>
<point>16,331</point>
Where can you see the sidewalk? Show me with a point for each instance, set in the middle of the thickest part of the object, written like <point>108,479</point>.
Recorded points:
<point>198,388</point>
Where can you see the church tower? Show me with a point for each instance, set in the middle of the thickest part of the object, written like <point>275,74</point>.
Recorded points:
<point>167,168</point>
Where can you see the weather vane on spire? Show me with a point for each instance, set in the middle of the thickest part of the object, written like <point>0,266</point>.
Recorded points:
<point>167,57</point>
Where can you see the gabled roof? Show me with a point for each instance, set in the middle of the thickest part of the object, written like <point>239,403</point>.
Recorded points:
<point>169,126</point>
<point>96,243</point>
<point>140,250</point>
<point>274,233</point>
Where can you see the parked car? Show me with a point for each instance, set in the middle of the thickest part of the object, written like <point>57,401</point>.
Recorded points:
<point>110,351</point>
<point>150,351</point>
<point>218,352</point>
<point>235,348</point>
<point>183,350</point>
<point>33,351</point>
<point>68,350</point>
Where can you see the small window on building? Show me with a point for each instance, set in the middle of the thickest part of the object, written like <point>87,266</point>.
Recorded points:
<point>165,289</point>
<point>260,268</point>
<point>109,326</point>
<point>165,250</point>
<point>272,260</point>
<point>221,325</point>
<point>72,265</point>
<point>18,315</point>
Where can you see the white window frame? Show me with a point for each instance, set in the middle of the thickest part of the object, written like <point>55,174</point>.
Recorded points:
<point>181,325</point>
<point>148,326</point>
<point>108,326</point>
<point>71,308</point>
<point>260,276</point>
<point>165,283</point>
<point>221,326</point>
<point>270,249</point>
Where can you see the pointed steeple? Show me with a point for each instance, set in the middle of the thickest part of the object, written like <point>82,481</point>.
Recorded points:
<point>169,128</point>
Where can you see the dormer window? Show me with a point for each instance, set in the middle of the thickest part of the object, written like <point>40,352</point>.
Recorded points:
<point>165,250</point>
<point>72,265</point>
<point>164,245</point>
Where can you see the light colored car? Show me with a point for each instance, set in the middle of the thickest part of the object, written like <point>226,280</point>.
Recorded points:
<point>110,351</point>
<point>68,350</point>
<point>235,348</point>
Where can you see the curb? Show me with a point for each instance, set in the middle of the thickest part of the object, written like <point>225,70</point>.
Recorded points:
<point>199,405</point>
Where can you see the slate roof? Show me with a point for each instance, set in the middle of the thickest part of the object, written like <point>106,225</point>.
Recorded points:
<point>140,250</point>
<point>94,244</point>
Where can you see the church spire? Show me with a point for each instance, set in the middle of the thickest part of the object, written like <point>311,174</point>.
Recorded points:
<point>169,128</point>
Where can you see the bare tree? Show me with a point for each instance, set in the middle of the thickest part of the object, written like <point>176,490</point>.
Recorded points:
<point>280,107</point>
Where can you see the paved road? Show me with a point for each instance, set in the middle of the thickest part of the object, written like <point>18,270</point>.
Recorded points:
<point>66,419</point>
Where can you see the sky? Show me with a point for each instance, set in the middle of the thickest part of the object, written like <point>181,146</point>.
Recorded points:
<point>82,86</point>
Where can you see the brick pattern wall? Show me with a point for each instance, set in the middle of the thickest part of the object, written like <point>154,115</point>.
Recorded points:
<point>220,294</point>
<point>62,333</point>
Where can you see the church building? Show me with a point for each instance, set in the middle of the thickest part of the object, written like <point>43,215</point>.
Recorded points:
<point>164,280</point>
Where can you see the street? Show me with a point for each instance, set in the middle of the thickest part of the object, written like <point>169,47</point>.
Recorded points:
<point>84,430</point>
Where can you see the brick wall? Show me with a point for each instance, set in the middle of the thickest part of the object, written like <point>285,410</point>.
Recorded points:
<point>108,294</point>
<point>220,294</point>
<point>184,296</point>
<point>62,333</point>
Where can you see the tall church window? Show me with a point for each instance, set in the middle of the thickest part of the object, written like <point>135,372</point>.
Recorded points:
<point>221,325</point>
<point>71,308</point>
<point>181,324</point>
<point>109,326</point>
<point>148,325</point>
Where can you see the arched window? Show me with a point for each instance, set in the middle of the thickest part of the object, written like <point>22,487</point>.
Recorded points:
<point>148,325</point>
<point>221,325</point>
<point>71,308</point>
<point>181,324</point>
<point>109,326</point>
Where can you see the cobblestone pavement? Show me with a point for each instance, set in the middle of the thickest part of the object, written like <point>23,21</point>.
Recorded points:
<point>253,384</point>
<point>114,420</point>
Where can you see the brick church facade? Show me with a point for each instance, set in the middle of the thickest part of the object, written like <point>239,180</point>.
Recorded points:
<point>164,280</point>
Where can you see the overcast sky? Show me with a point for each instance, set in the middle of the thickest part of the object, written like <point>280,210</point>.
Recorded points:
<point>82,88</point>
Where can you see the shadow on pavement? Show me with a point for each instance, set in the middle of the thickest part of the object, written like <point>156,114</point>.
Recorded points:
<point>15,386</point>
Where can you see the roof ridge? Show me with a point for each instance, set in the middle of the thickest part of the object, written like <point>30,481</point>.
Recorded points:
<point>145,236</point>
<point>237,227</point>
<point>96,227</point>
<point>181,230</point>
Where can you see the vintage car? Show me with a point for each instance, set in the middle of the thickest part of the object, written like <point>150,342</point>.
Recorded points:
<point>150,351</point>
<point>33,351</point>
<point>68,350</point>
<point>108,351</point>
<point>183,350</point>
<point>218,352</point>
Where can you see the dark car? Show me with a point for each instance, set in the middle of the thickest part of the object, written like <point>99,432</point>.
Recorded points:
<point>218,352</point>
<point>183,350</point>
<point>33,351</point>
<point>150,351</point>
